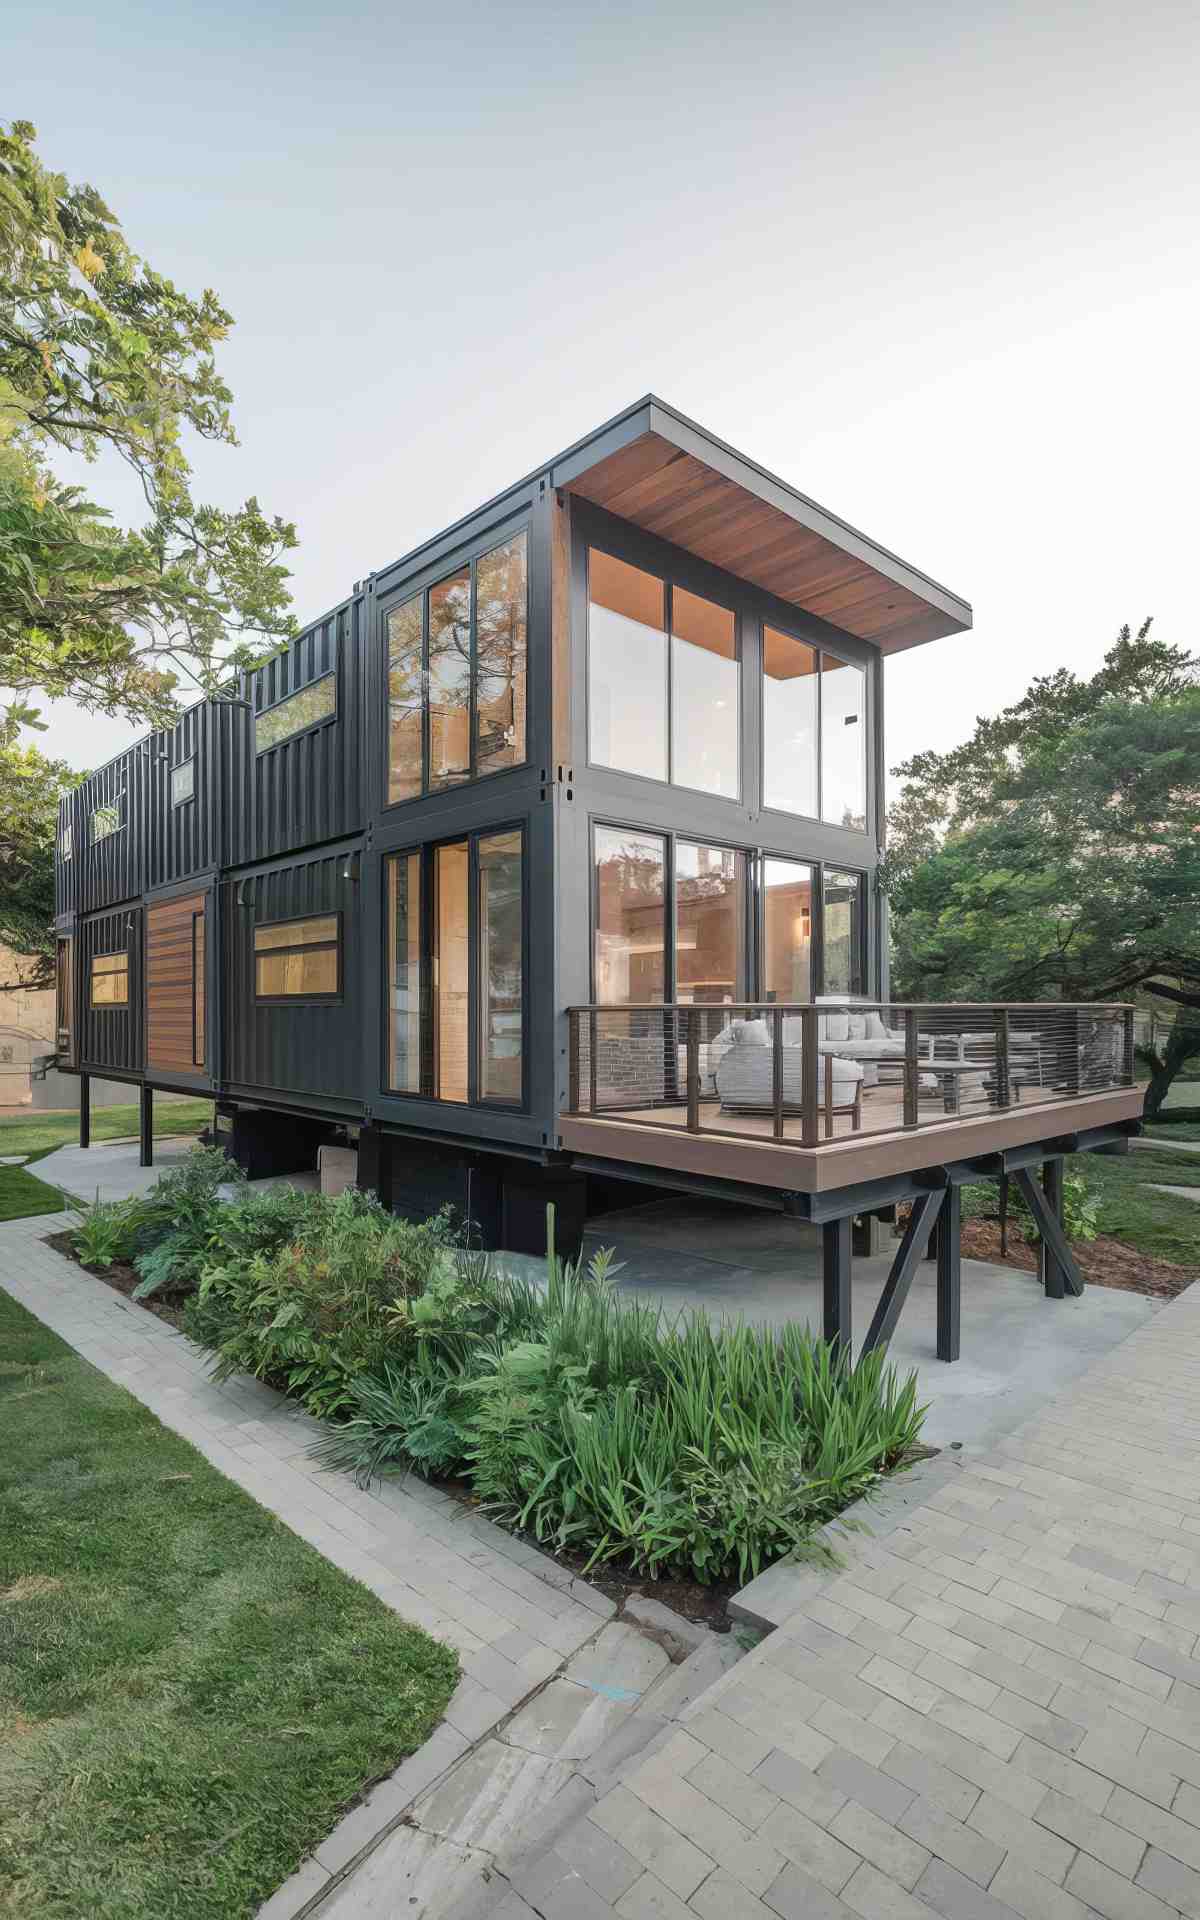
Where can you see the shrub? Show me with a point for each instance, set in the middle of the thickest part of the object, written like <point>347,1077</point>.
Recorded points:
<point>107,1231</point>
<point>179,1214</point>
<point>1081,1207</point>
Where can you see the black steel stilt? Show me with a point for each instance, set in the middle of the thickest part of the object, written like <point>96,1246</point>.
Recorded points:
<point>949,1275</point>
<point>85,1110</point>
<point>146,1153</point>
<point>1049,1268</point>
<point>1050,1229</point>
<point>835,1238</point>
<point>921,1221</point>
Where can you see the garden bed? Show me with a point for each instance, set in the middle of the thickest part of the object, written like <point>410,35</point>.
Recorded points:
<point>1103,1262</point>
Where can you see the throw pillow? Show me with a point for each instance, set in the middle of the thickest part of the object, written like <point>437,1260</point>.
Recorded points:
<point>857,1026</point>
<point>835,1026</point>
<point>750,1033</point>
<point>875,1027</point>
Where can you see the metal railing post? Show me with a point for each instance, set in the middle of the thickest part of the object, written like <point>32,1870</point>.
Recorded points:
<point>693,1070</point>
<point>572,1061</point>
<point>592,1038</point>
<point>777,1072</point>
<point>912,1071</point>
<point>1127,1050</point>
<point>809,1064</point>
<point>1003,1085</point>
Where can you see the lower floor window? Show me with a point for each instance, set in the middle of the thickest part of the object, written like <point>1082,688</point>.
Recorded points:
<point>298,959</point>
<point>110,979</point>
<point>456,970</point>
<point>692,924</point>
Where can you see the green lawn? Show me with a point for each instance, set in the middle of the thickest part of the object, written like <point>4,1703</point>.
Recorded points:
<point>42,1132</point>
<point>21,1195</point>
<point>189,1694</point>
<point>1180,1130</point>
<point>1130,1210</point>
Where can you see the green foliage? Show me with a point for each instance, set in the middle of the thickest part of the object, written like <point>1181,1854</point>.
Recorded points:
<point>107,1231</point>
<point>1054,855</point>
<point>30,789</point>
<point>1081,1205</point>
<point>102,355</point>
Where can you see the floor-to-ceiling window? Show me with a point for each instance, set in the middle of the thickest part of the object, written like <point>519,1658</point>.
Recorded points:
<point>631,917</point>
<point>456,1028</point>
<point>710,923</point>
<point>787,930</point>
<point>814,733</point>
<point>843,931</point>
<point>663,679</point>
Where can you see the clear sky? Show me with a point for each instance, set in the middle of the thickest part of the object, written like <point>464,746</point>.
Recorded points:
<point>935,265</point>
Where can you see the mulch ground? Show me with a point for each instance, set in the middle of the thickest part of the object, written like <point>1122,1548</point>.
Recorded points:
<point>1103,1262</point>
<point>121,1279</point>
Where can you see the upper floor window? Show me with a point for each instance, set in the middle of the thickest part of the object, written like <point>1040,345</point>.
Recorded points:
<point>183,782</point>
<point>310,707</point>
<point>457,675</point>
<point>66,844</point>
<point>814,733</point>
<point>110,979</point>
<point>105,820</point>
<point>663,679</point>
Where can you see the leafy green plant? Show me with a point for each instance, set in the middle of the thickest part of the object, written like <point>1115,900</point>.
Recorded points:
<point>107,1231</point>
<point>179,1215</point>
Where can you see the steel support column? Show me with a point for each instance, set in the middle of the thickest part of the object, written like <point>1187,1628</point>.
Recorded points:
<point>1050,1271</point>
<point>835,1242</point>
<point>146,1117</point>
<point>1050,1229</point>
<point>85,1110</point>
<point>921,1221</point>
<point>949,1275</point>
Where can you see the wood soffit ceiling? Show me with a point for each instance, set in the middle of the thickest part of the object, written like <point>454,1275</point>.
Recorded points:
<point>671,493</point>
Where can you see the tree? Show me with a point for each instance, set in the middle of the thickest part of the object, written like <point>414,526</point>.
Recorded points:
<point>102,355</point>
<point>30,789</point>
<point>1055,854</point>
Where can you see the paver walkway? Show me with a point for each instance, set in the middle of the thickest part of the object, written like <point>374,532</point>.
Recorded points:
<point>993,1710</point>
<point>515,1616</point>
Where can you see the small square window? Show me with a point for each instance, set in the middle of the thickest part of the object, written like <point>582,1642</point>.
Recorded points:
<point>298,959</point>
<point>110,980</point>
<point>105,821</point>
<point>183,782</point>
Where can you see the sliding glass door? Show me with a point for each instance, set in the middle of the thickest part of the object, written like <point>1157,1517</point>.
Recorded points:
<point>455,956</point>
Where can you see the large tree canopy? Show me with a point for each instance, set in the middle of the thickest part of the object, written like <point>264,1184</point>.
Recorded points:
<point>30,789</point>
<point>101,354</point>
<point>1057,853</point>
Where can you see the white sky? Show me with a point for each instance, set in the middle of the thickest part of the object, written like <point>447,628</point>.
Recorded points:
<point>936,266</point>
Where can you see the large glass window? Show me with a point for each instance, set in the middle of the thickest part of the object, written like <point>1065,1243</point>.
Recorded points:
<point>631,923</point>
<point>790,706</point>
<point>500,968</point>
<point>298,959</point>
<point>814,733</point>
<point>470,952</point>
<point>843,930</point>
<point>457,675</point>
<point>310,707</point>
<point>451,972</point>
<point>704,695</point>
<point>405,973</point>
<point>787,900</point>
<point>843,743</point>
<point>627,667</point>
<point>110,979</point>
<point>670,714</point>
<point>710,923</point>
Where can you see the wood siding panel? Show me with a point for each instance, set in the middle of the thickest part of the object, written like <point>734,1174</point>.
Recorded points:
<point>170,985</point>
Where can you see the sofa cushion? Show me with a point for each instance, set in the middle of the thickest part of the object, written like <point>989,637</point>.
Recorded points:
<point>745,1078</point>
<point>834,1026</point>
<point>749,1033</point>
<point>875,1027</point>
<point>856,1024</point>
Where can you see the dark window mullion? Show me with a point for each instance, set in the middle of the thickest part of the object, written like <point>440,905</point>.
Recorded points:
<point>818,929</point>
<point>474,1010</point>
<point>425,726</point>
<point>668,615</point>
<point>473,714</point>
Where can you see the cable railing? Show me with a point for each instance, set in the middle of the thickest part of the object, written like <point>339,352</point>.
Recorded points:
<point>815,1072</point>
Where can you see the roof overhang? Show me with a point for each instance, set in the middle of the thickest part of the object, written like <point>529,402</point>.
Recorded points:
<point>662,472</point>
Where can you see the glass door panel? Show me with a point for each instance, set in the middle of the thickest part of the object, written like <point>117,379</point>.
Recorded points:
<point>500,956</point>
<point>787,893</point>
<point>631,921</point>
<point>710,924</point>
<point>451,972</point>
<point>404,973</point>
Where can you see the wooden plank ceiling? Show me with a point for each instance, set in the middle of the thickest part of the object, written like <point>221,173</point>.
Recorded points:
<point>671,493</point>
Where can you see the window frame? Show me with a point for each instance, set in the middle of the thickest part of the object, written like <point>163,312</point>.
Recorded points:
<point>426,851</point>
<point>66,842</point>
<point>109,953</point>
<point>311,726</point>
<point>105,806</point>
<point>190,795</point>
<point>754,907</point>
<point>419,587</point>
<point>669,580</point>
<point>312,946</point>
<point>821,650</point>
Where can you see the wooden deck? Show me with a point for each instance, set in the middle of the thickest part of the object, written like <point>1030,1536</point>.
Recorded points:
<point>741,1146</point>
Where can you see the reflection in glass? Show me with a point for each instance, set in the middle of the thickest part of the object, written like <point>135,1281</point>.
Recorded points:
<point>843,931</point>
<point>307,708</point>
<point>627,668</point>
<point>110,980</point>
<point>405,700</point>
<point>451,972</point>
<point>704,695</point>
<point>404,973</point>
<point>630,917</point>
<point>500,622</point>
<point>297,959</point>
<point>500,940</point>
<point>787,930</point>
<point>843,743</point>
<point>789,724</point>
<point>710,924</point>
<point>450,680</point>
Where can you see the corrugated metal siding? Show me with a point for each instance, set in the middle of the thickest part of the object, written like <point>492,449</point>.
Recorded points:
<point>310,789</point>
<point>66,872</point>
<point>306,1049</point>
<point>111,1036</point>
<point>115,867</point>
<point>182,839</point>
